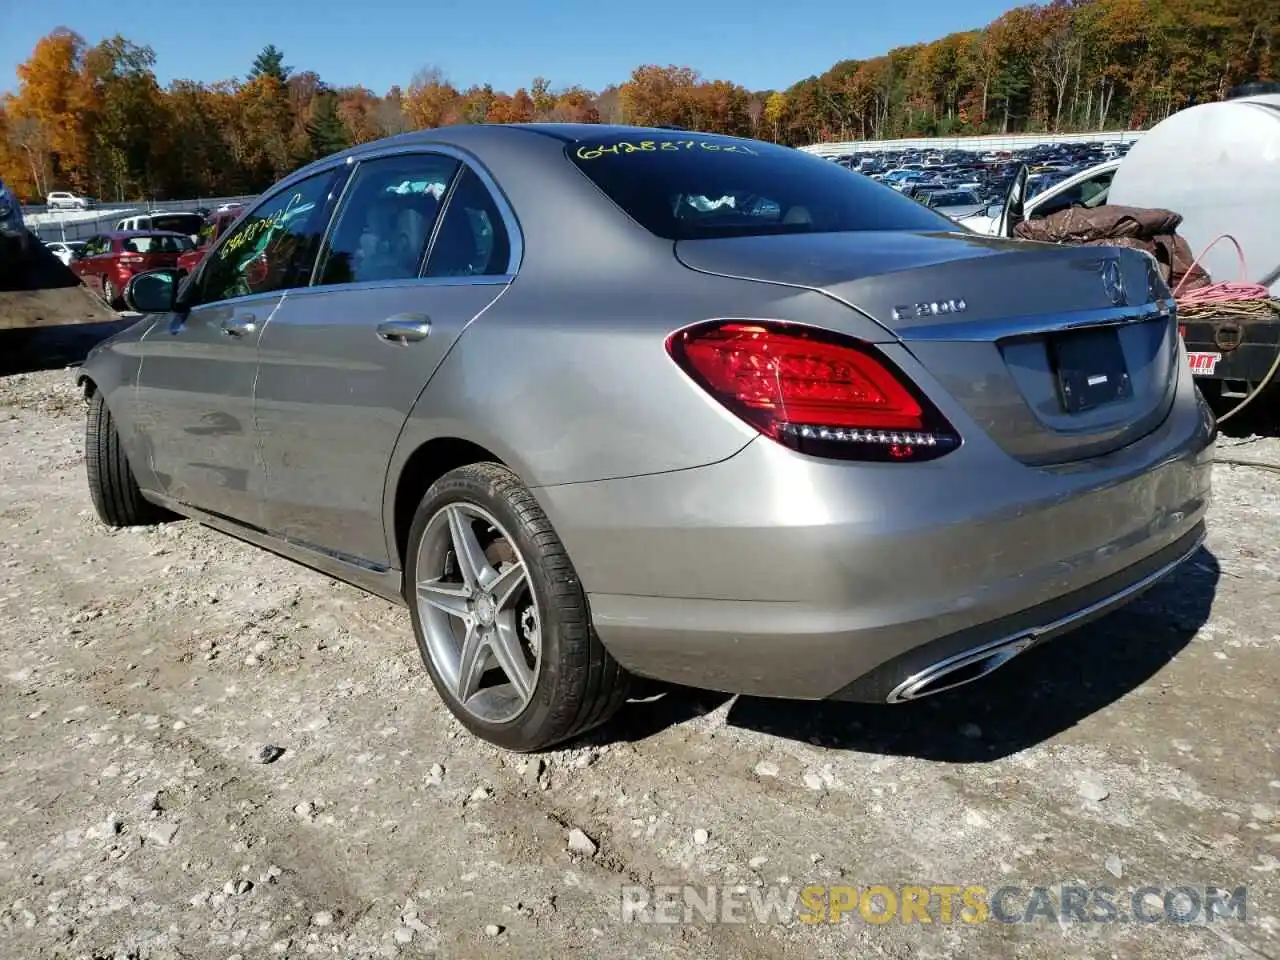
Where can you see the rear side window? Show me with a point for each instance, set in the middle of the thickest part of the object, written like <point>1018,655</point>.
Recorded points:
<point>386,221</point>
<point>156,245</point>
<point>689,186</point>
<point>472,240</point>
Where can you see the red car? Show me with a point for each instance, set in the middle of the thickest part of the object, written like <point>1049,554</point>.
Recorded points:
<point>217,223</point>
<point>109,260</point>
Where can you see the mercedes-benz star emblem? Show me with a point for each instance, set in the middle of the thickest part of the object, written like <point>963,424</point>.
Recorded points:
<point>1113,282</point>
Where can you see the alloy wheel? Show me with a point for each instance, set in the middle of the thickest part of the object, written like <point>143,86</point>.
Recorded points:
<point>479,614</point>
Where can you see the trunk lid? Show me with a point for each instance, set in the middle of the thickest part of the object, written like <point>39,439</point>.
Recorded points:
<point>1058,353</point>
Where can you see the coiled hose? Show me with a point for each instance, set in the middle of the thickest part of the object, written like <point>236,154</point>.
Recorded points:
<point>1227,292</point>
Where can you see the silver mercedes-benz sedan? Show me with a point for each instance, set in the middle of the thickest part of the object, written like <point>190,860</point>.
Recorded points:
<point>602,401</point>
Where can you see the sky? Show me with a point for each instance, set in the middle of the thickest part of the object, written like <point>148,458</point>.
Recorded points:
<point>378,43</point>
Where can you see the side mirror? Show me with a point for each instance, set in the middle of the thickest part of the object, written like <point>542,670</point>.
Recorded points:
<point>155,291</point>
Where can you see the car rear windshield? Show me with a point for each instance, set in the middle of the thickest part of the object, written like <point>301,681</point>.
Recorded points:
<point>178,222</point>
<point>686,186</point>
<point>156,244</point>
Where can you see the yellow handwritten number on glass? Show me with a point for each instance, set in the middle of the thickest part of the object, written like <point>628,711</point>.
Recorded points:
<point>623,148</point>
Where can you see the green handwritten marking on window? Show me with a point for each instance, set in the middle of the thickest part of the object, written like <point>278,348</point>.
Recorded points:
<point>259,227</point>
<point>625,148</point>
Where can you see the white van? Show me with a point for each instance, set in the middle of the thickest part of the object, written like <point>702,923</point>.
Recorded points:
<point>185,223</point>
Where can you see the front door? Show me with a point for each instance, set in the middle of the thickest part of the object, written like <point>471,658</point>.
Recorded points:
<point>195,389</point>
<point>1013,211</point>
<point>342,364</point>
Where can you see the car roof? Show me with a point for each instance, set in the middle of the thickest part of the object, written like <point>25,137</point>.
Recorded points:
<point>118,234</point>
<point>488,135</point>
<point>161,213</point>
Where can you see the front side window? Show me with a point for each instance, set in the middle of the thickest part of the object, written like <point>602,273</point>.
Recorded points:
<point>472,241</point>
<point>385,223</point>
<point>275,247</point>
<point>688,186</point>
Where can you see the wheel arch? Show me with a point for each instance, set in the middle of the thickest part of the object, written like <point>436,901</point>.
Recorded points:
<point>427,463</point>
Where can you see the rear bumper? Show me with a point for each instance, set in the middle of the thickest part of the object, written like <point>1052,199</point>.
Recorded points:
<point>779,575</point>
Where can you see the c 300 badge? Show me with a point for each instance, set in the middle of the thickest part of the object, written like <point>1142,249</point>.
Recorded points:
<point>933,308</point>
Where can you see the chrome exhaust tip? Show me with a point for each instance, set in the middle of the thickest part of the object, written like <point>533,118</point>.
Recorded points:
<point>956,671</point>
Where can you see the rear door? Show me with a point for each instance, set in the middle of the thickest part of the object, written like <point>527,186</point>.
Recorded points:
<point>195,387</point>
<point>342,364</point>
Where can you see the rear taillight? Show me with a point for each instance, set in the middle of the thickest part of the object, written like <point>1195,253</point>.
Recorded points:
<point>817,392</point>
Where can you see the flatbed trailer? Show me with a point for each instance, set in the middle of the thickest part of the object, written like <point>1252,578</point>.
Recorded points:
<point>1233,356</point>
<point>46,311</point>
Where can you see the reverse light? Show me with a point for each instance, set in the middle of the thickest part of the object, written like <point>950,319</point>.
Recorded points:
<point>820,393</point>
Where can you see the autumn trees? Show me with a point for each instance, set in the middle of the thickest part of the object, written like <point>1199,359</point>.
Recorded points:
<point>94,118</point>
<point>1067,65</point>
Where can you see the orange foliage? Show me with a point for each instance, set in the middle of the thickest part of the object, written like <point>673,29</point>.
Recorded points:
<point>93,118</point>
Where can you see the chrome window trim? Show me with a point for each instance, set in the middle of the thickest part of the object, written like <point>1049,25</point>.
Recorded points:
<point>1004,328</point>
<point>491,280</point>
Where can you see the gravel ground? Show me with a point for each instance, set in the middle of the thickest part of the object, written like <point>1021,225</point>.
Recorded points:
<point>146,670</point>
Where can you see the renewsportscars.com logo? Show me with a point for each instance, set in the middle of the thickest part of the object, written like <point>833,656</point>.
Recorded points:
<point>936,903</point>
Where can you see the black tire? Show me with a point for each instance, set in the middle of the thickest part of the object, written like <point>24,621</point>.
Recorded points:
<point>579,685</point>
<point>115,493</point>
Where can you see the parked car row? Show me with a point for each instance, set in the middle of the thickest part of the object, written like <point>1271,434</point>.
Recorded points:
<point>962,183</point>
<point>107,261</point>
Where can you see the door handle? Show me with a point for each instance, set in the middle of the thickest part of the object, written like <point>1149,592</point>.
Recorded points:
<point>239,326</point>
<point>405,328</point>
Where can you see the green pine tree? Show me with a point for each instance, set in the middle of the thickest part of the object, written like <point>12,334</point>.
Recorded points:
<point>327,133</point>
<point>270,63</point>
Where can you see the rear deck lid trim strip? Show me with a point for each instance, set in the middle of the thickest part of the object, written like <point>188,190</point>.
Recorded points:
<point>989,329</point>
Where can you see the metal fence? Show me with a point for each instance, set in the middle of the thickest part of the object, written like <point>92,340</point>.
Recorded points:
<point>977,144</point>
<point>82,224</point>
